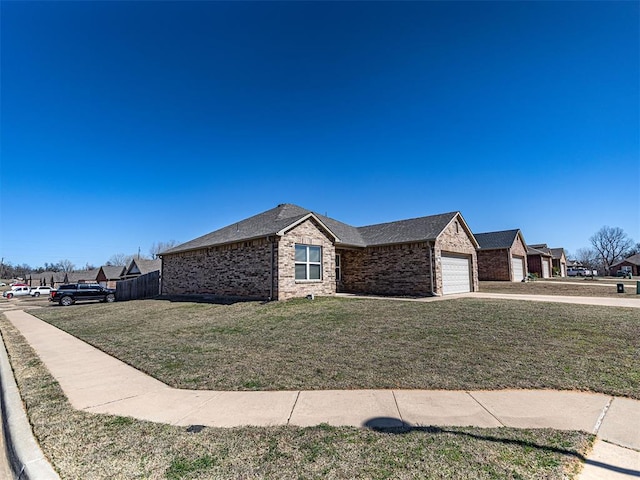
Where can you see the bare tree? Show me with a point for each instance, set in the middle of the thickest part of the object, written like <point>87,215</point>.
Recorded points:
<point>634,250</point>
<point>66,265</point>
<point>119,259</point>
<point>160,247</point>
<point>587,257</point>
<point>610,243</point>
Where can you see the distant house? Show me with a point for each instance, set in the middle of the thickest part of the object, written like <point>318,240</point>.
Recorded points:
<point>48,278</point>
<point>631,263</point>
<point>502,256</point>
<point>539,262</point>
<point>140,266</point>
<point>290,251</point>
<point>83,276</point>
<point>558,258</point>
<point>108,275</point>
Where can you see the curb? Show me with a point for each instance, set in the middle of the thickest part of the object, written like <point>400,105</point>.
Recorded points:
<point>22,450</point>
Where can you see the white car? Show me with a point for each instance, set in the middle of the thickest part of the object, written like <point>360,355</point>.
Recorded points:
<point>37,291</point>
<point>16,292</point>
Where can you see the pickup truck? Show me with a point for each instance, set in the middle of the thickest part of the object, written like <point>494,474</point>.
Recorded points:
<point>71,293</point>
<point>17,291</point>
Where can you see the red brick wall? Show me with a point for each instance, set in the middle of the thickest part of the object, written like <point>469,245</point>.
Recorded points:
<point>494,265</point>
<point>402,269</point>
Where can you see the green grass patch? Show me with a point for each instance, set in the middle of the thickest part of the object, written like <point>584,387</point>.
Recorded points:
<point>186,468</point>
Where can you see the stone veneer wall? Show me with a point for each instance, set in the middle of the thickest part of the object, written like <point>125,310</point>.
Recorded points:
<point>402,269</point>
<point>494,265</point>
<point>520,250</point>
<point>307,233</point>
<point>455,239</point>
<point>236,270</point>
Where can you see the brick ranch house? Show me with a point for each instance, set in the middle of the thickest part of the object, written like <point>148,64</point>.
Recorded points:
<point>631,264</point>
<point>502,256</point>
<point>558,258</point>
<point>539,262</point>
<point>290,251</point>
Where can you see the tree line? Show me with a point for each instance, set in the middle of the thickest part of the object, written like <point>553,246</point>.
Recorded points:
<point>8,270</point>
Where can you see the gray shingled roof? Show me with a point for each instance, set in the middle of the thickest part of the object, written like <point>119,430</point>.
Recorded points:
<point>144,266</point>
<point>412,230</point>
<point>83,275</point>
<point>496,240</point>
<point>535,251</point>
<point>112,272</point>
<point>275,220</point>
<point>635,259</point>
<point>556,253</point>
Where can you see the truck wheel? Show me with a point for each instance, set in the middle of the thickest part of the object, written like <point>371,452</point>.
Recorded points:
<point>66,301</point>
<point>37,294</point>
<point>9,296</point>
<point>110,298</point>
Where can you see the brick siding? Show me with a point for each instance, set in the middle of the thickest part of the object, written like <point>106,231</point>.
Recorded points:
<point>236,270</point>
<point>494,265</point>
<point>307,233</point>
<point>402,269</point>
<point>455,239</point>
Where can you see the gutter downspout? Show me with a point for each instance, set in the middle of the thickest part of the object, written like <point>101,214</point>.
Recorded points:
<point>161,275</point>
<point>431,266</point>
<point>271,271</point>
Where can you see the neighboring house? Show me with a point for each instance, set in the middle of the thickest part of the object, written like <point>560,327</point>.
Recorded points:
<point>108,275</point>
<point>51,279</point>
<point>558,258</point>
<point>291,252</point>
<point>631,263</point>
<point>539,262</point>
<point>502,256</point>
<point>141,266</point>
<point>82,276</point>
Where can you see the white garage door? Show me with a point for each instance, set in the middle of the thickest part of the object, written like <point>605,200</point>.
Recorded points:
<point>456,274</point>
<point>545,269</point>
<point>517,265</point>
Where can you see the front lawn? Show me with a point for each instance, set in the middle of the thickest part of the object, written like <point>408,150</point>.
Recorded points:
<point>338,343</point>
<point>81,445</point>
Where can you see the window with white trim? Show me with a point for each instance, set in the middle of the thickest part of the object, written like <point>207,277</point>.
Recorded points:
<point>308,262</point>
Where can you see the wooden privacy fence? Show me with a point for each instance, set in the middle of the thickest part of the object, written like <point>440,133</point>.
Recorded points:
<point>144,286</point>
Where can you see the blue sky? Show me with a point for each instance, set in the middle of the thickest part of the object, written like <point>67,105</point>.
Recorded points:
<point>129,123</point>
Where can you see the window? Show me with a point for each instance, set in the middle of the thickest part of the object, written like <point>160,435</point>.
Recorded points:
<point>308,262</point>
<point>338,268</point>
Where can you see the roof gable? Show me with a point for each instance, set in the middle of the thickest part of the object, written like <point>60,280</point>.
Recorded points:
<point>633,259</point>
<point>272,222</point>
<point>535,251</point>
<point>403,231</point>
<point>497,240</point>
<point>111,272</point>
<point>141,266</point>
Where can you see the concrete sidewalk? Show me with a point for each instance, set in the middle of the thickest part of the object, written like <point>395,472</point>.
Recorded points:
<point>96,382</point>
<point>599,301</point>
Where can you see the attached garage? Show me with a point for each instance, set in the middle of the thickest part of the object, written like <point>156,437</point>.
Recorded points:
<point>456,274</point>
<point>539,262</point>
<point>517,266</point>
<point>502,256</point>
<point>545,269</point>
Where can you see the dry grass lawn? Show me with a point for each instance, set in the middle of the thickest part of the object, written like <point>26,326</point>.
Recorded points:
<point>90,447</point>
<point>338,343</point>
